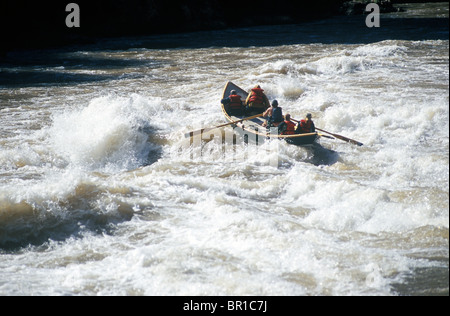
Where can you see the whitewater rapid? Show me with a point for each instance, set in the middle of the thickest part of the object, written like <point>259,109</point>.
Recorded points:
<point>101,194</point>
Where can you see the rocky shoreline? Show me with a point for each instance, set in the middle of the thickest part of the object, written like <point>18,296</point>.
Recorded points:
<point>34,24</point>
<point>359,7</point>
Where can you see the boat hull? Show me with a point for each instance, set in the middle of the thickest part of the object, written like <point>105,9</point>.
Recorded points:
<point>253,130</point>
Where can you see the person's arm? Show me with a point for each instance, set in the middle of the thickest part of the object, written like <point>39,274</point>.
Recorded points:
<point>225,101</point>
<point>266,101</point>
<point>298,130</point>
<point>248,98</point>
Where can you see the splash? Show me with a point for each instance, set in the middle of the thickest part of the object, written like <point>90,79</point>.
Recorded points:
<point>110,132</point>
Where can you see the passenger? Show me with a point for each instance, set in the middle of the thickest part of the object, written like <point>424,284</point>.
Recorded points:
<point>306,126</point>
<point>274,115</point>
<point>257,101</point>
<point>233,104</point>
<point>287,127</point>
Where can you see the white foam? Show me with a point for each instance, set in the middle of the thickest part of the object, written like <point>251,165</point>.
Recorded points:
<point>201,219</point>
<point>108,131</point>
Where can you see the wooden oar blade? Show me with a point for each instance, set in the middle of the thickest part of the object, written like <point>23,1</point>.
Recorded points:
<point>346,139</point>
<point>349,140</point>
<point>207,129</point>
<point>197,132</point>
<point>326,136</point>
<point>355,142</point>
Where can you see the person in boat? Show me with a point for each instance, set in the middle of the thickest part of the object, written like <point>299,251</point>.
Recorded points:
<point>233,104</point>
<point>306,125</point>
<point>287,127</point>
<point>257,102</point>
<point>274,115</point>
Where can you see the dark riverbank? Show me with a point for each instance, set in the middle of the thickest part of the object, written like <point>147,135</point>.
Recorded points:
<point>35,24</point>
<point>38,24</point>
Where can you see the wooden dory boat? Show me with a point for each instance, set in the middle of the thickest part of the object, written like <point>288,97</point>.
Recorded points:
<point>253,131</point>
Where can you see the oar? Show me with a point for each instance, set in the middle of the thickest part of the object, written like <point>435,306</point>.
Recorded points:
<point>346,139</point>
<point>326,136</point>
<point>203,130</point>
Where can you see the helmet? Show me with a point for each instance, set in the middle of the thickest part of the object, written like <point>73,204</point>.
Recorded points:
<point>309,115</point>
<point>275,103</point>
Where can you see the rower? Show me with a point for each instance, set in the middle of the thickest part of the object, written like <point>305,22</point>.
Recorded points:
<point>287,127</point>
<point>306,125</point>
<point>233,104</point>
<point>274,115</point>
<point>256,102</point>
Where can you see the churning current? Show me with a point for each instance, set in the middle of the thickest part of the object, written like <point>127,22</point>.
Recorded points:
<point>101,194</point>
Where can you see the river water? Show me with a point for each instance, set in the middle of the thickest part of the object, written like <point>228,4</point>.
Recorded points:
<point>101,194</point>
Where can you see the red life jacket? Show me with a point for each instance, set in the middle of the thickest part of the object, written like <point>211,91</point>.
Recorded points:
<point>305,126</point>
<point>290,128</point>
<point>235,103</point>
<point>257,96</point>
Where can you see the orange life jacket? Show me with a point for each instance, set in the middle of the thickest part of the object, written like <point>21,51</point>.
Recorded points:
<point>290,128</point>
<point>306,126</point>
<point>257,96</point>
<point>236,103</point>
